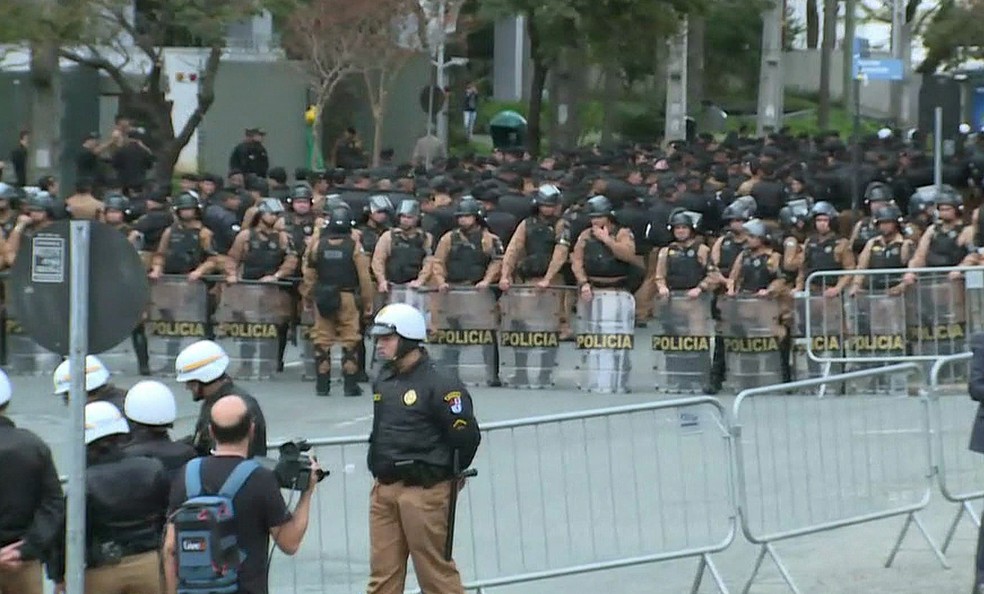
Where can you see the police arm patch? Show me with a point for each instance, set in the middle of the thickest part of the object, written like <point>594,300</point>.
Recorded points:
<point>453,399</point>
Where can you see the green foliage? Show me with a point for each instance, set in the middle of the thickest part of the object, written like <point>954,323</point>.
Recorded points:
<point>732,48</point>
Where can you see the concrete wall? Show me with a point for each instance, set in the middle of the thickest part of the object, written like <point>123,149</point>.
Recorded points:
<point>802,73</point>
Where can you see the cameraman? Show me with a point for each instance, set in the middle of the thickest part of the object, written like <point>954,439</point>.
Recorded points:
<point>31,507</point>
<point>259,508</point>
<point>424,434</point>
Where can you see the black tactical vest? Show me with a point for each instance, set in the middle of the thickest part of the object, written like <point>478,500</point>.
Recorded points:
<point>128,519</point>
<point>600,261</point>
<point>300,229</point>
<point>755,273</point>
<point>886,256</point>
<point>683,268</point>
<point>540,241</point>
<point>406,257</point>
<point>370,237</point>
<point>820,255</point>
<point>335,262</point>
<point>467,261</point>
<point>184,250</point>
<point>943,247</point>
<point>866,232</point>
<point>728,253</point>
<point>263,256</point>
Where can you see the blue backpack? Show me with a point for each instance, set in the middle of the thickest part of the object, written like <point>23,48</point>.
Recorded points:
<point>205,531</point>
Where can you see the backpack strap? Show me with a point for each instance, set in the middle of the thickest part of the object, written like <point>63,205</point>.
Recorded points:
<point>193,478</point>
<point>238,478</point>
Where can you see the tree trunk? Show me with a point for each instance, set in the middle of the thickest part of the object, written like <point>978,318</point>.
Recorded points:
<point>826,54</point>
<point>537,84</point>
<point>812,24</point>
<point>609,100</point>
<point>697,27</point>
<point>44,156</point>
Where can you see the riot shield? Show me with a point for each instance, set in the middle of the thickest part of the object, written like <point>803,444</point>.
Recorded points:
<point>936,321</point>
<point>26,357</point>
<point>529,336</point>
<point>876,327</point>
<point>681,343</point>
<point>824,337</point>
<point>410,296</point>
<point>605,335</point>
<point>461,336</point>
<point>752,339</point>
<point>178,316</point>
<point>249,321</point>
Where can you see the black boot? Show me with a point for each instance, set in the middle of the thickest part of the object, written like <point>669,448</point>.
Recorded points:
<point>139,339</point>
<point>717,367</point>
<point>322,372</point>
<point>360,352</point>
<point>351,382</point>
<point>281,346</point>
<point>322,384</point>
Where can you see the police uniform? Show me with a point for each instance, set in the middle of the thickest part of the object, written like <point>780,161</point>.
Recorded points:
<point>880,252</point>
<point>725,251</point>
<point>370,233</point>
<point>154,442</point>
<point>602,266</point>
<point>944,244</point>
<point>466,258</point>
<point>201,440</point>
<point>260,252</point>
<point>403,256</point>
<point>864,231</point>
<point>299,228</point>
<point>821,253</point>
<point>538,250</point>
<point>758,270</point>
<point>421,418</point>
<point>338,286</point>
<point>186,247</point>
<point>22,233</point>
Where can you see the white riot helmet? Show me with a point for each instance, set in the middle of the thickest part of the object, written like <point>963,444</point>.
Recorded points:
<point>401,319</point>
<point>150,403</point>
<point>102,419</point>
<point>96,375</point>
<point>6,391</point>
<point>203,361</point>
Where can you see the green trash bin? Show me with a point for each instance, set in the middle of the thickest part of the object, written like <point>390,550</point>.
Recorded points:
<point>508,130</point>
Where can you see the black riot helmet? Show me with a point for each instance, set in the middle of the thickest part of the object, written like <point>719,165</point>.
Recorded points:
<point>41,201</point>
<point>889,212</point>
<point>333,201</point>
<point>186,200</point>
<point>923,201</point>
<point>823,209</point>
<point>340,220</point>
<point>379,203</point>
<point>948,196</point>
<point>270,206</point>
<point>300,192</point>
<point>8,192</point>
<point>683,217</point>
<point>117,202</point>
<point>742,209</point>
<point>469,206</point>
<point>599,206</point>
<point>794,213</point>
<point>410,208</point>
<point>878,192</point>
<point>547,195</point>
<point>756,228</point>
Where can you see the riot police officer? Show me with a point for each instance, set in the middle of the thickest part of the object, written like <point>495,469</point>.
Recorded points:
<point>682,265</point>
<point>876,196</point>
<point>337,287</point>
<point>300,220</point>
<point>186,246</point>
<point>9,209</point>
<point>823,250</point>
<point>792,220</point>
<point>263,253</point>
<point>150,409</point>
<point>424,434</point>
<point>34,507</point>
<point>604,252</point>
<point>469,255</point>
<point>115,211</point>
<point>922,210</point>
<point>890,249</point>
<point>40,214</point>
<point>948,242</point>
<point>403,252</point>
<point>97,384</point>
<point>124,526</point>
<point>758,268</point>
<point>201,367</point>
<point>378,220</point>
<point>540,245</point>
<point>726,248</point>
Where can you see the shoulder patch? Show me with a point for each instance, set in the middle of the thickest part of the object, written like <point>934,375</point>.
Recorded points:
<point>454,401</point>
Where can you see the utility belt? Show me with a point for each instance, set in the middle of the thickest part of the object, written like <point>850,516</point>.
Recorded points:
<point>411,473</point>
<point>111,552</point>
<point>606,282</point>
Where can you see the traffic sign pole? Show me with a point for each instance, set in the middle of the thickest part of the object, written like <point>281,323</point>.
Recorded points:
<point>78,344</point>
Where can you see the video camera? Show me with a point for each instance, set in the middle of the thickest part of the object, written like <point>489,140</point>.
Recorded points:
<point>293,469</point>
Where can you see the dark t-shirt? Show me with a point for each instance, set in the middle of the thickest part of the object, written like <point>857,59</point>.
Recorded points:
<point>259,507</point>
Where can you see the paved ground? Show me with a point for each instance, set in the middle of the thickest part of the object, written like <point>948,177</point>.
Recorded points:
<point>626,486</point>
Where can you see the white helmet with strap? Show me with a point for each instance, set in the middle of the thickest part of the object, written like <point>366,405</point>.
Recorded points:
<point>203,361</point>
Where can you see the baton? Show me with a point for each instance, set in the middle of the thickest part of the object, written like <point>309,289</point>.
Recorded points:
<point>453,502</point>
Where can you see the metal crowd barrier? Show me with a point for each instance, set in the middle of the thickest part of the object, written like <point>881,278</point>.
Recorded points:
<point>959,472</point>
<point>557,495</point>
<point>888,320</point>
<point>861,466</point>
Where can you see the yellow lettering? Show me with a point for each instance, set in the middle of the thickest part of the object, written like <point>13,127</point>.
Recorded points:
<point>177,329</point>
<point>878,342</point>
<point>755,344</point>
<point>825,343</point>
<point>942,332</point>
<point>681,344</point>
<point>247,331</point>
<point>529,339</point>
<point>461,337</point>
<point>14,327</point>
<point>615,342</point>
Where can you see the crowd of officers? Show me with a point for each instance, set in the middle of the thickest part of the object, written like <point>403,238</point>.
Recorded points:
<point>732,216</point>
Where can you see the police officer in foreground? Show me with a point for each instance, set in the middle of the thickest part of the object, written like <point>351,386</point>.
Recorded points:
<point>33,505</point>
<point>151,411</point>
<point>424,434</point>
<point>97,384</point>
<point>123,525</point>
<point>201,367</point>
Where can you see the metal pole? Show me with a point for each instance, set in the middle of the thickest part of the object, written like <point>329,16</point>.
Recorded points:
<point>771,76</point>
<point>856,149</point>
<point>850,9</point>
<point>442,115</point>
<point>78,343</point>
<point>676,86</point>
<point>938,147</point>
<point>898,22</point>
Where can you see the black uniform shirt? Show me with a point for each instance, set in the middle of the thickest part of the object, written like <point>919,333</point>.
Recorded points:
<point>201,440</point>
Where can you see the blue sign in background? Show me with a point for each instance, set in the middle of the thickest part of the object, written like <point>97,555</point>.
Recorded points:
<point>878,68</point>
<point>977,109</point>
